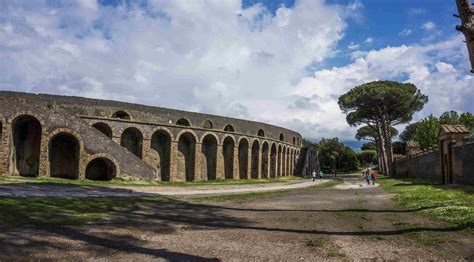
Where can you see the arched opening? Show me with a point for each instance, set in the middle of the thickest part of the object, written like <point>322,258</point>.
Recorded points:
<point>121,115</point>
<point>101,169</point>
<point>282,137</point>
<point>279,167</point>
<point>161,143</point>
<point>229,128</point>
<point>104,129</point>
<point>291,163</point>
<point>243,158</point>
<point>186,156</point>
<point>273,158</point>
<point>209,152</point>
<point>254,164</point>
<point>208,124</point>
<point>64,156</point>
<point>228,155</point>
<point>294,140</point>
<point>183,122</point>
<point>132,140</point>
<point>261,133</point>
<point>26,132</point>
<point>265,151</point>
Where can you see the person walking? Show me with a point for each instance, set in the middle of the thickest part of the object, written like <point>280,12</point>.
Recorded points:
<point>313,175</point>
<point>321,174</point>
<point>373,176</point>
<point>368,177</point>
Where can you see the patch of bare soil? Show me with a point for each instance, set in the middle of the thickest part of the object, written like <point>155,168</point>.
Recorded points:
<point>305,224</point>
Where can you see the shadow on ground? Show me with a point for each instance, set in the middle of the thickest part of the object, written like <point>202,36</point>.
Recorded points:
<point>149,216</point>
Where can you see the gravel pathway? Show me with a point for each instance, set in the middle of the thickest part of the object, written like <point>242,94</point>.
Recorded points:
<point>38,190</point>
<point>351,221</point>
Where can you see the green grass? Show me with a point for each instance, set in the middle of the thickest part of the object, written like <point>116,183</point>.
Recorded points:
<point>136,182</point>
<point>64,211</point>
<point>453,204</point>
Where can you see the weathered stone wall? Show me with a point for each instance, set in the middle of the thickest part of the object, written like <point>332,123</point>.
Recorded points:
<point>401,168</point>
<point>157,150</point>
<point>426,166</point>
<point>463,167</point>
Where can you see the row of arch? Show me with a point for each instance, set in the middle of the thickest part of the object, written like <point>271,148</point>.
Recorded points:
<point>207,125</point>
<point>63,152</point>
<point>268,160</point>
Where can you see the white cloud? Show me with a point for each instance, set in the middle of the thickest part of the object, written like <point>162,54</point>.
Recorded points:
<point>448,86</point>
<point>353,46</point>
<point>428,25</point>
<point>405,32</point>
<point>216,57</point>
<point>369,40</point>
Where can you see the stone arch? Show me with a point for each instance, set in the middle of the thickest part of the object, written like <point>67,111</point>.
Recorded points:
<point>183,122</point>
<point>273,160</point>
<point>26,134</point>
<point>104,129</point>
<point>208,124</point>
<point>64,152</point>
<point>279,164</point>
<point>264,165</point>
<point>282,137</point>
<point>229,128</point>
<point>228,146</point>
<point>186,156</point>
<point>255,165</point>
<point>161,153</point>
<point>291,161</point>
<point>101,168</point>
<point>209,159</point>
<point>208,133</point>
<point>132,140</point>
<point>243,155</point>
<point>261,133</point>
<point>120,114</point>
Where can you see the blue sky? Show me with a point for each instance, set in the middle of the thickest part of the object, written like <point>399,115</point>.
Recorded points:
<point>281,62</point>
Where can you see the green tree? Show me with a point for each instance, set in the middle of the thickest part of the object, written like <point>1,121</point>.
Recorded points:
<point>427,132</point>
<point>449,118</point>
<point>367,157</point>
<point>467,119</point>
<point>369,146</point>
<point>335,155</point>
<point>409,133</point>
<point>381,105</point>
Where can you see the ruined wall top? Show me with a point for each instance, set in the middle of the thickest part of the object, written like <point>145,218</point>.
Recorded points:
<point>149,114</point>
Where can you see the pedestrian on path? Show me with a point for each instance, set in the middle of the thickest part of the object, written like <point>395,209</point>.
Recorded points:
<point>368,177</point>
<point>313,175</point>
<point>321,174</point>
<point>373,176</point>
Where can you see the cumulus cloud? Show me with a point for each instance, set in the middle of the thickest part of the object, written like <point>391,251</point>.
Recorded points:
<point>428,26</point>
<point>369,40</point>
<point>215,57</point>
<point>433,68</point>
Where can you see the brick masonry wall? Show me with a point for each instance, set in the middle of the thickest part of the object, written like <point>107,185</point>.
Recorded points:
<point>463,167</point>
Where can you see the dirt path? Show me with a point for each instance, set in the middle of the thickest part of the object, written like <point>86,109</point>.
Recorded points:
<point>39,190</point>
<point>344,222</point>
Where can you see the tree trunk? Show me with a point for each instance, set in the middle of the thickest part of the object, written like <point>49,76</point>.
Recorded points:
<point>388,144</point>
<point>383,148</point>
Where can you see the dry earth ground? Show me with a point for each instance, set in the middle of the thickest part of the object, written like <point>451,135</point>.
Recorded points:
<point>345,222</point>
